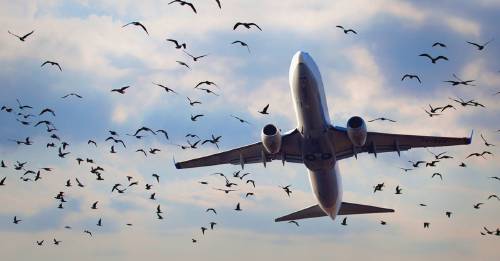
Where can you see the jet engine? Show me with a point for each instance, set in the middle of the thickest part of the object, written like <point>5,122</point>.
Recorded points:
<point>271,139</point>
<point>356,131</point>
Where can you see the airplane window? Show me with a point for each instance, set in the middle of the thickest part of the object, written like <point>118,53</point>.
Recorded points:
<point>310,157</point>
<point>326,156</point>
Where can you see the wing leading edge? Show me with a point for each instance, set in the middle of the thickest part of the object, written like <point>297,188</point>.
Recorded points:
<point>377,142</point>
<point>254,153</point>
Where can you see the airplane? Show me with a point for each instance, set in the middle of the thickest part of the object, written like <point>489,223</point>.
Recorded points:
<point>319,145</point>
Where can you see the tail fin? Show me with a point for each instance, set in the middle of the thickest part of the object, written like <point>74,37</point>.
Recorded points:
<point>345,209</point>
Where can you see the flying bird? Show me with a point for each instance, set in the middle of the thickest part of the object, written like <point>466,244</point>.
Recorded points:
<point>219,4</point>
<point>479,46</point>
<point>72,94</point>
<point>184,3</point>
<point>434,60</point>
<point>211,209</point>
<point>398,190</point>
<point>382,119</point>
<point>476,206</point>
<point>165,88</point>
<point>94,205</point>
<point>344,222</point>
<point>486,142</point>
<point>16,221</point>
<point>246,25</point>
<point>294,222</point>
<point>460,81</point>
<point>240,119</point>
<point>439,44</point>
<point>195,58</point>
<point>53,64</point>
<point>346,31</point>
<point>411,76</point>
<point>210,83</point>
<point>121,90</point>
<point>242,44</point>
<point>193,118</point>
<point>177,45</point>
<point>192,103</point>
<point>22,38</point>
<point>264,110</point>
<point>238,208</point>
<point>183,64</point>
<point>437,174</point>
<point>137,24</point>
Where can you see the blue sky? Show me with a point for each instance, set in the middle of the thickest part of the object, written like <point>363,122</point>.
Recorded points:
<point>361,74</point>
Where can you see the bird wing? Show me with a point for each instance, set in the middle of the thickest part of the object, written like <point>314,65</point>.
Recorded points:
<point>192,7</point>
<point>385,142</point>
<point>253,153</point>
<point>236,25</point>
<point>28,34</point>
<point>474,44</point>
<point>256,25</point>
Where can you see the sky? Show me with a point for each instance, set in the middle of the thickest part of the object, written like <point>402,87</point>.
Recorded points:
<point>362,76</point>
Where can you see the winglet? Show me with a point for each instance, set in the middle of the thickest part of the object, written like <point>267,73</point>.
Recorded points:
<point>469,140</point>
<point>176,164</point>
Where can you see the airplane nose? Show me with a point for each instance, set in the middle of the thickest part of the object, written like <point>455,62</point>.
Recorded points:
<point>301,56</point>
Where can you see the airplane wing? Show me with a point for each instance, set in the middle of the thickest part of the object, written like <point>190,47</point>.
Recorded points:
<point>254,153</point>
<point>385,142</point>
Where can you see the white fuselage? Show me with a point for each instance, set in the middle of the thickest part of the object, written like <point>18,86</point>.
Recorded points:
<point>313,122</point>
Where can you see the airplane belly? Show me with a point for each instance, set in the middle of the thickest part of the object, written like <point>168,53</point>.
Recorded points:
<point>327,188</point>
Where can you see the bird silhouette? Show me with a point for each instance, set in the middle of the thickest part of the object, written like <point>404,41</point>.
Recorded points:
<point>210,83</point>
<point>416,164</point>
<point>382,119</point>
<point>346,31</point>
<point>264,110</point>
<point>22,38</point>
<point>182,3</point>
<point>344,222</point>
<point>437,174</point>
<point>242,44</point>
<point>476,206</point>
<point>448,214</point>
<point>94,205</point>
<point>193,118</point>
<point>52,63</point>
<point>238,208</point>
<point>177,45</point>
<point>439,44</point>
<point>426,224</point>
<point>411,76</point>
<point>121,90</point>
<point>195,58</point>
<point>434,60</point>
<point>16,221</point>
<point>72,94</point>
<point>193,103</point>
<point>138,24</point>
<point>287,189</point>
<point>99,223</point>
<point>240,119</point>
<point>246,25</point>
<point>480,47</point>
<point>398,190</point>
<point>39,242</point>
<point>165,88</point>
<point>183,64</point>
<point>493,196</point>
<point>486,143</point>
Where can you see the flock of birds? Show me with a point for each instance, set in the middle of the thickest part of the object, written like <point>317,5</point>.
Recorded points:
<point>27,116</point>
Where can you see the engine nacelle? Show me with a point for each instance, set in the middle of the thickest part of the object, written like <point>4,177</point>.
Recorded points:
<point>271,139</point>
<point>356,131</point>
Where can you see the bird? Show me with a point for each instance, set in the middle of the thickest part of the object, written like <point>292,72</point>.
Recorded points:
<point>251,181</point>
<point>183,64</point>
<point>192,103</point>
<point>382,119</point>
<point>2,182</point>
<point>112,149</point>
<point>159,216</point>
<point>486,142</point>
<point>264,110</point>
<point>411,76</point>
<point>57,242</point>
<point>52,63</point>
<point>344,222</point>
<point>226,190</point>
<point>193,118</point>
<point>287,190</point>
<point>94,205</point>
<point>212,225</point>
<point>219,4</point>
<point>116,140</point>
<point>242,44</point>
<point>439,44</point>
<point>211,209</point>
<point>430,114</point>
<point>460,81</point>
<point>184,3</point>
<point>121,90</point>
<point>346,31</point>
<point>156,176</point>
<point>398,190</point>
<point>448,214</point>
<point>493,196</point>
<point>463,165</point>
<point>99,223</point>
<point>91,142</point>
<point>138,24</point>
<point>47,110</point>
<point>437,174</point>
<point>248,194</point>
<point>208,91</point>
<point>39,242</point>
<point>195,58</point>
<point>480,47</point>
<point>246,25</point>
<point>238,208</point>
<point>495,177</point>
<point>434,60</point>
<point>294,222</point>
<point>378,187</point>
<point>16,221</point>
<point>210,83</point>
<point>383,223</point>
<point>87,232</point>
<point>165,88</point>
<point>72,94</point>
<point>22,38</point>
<point>426,224</point>
<point>61,154</point>
<point>158,209</point>
<point>415,164</point>
<point>479,154</point>
<point>152,196</point>
<point>405,169</point>
<point>177,45</point>
<point>203,230</point>
<point>240,119</point>
<point>432,163</point>
<point>476,206</point>
<point>193,240</point>
<point>154,150</point>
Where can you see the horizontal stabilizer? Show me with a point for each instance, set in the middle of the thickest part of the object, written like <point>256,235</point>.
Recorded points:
<point>346,208</point>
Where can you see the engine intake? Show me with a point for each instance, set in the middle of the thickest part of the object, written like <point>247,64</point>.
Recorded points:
<point>356,131</point>
<point>271,139</point>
